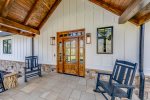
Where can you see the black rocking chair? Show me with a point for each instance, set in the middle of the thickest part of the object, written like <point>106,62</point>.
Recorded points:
<point>32,68</point>
<point>120,82</point>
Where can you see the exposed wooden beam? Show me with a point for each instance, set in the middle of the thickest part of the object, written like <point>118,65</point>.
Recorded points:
<point>132,10</point>
<point>112,9</point>
<point>30,12</point>
<point>17,26</point>
<point>57,2</point>
<point>6,7</point>
<point>13,31</point>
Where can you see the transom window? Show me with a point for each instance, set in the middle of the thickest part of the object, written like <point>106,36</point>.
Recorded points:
<point>72,34</point>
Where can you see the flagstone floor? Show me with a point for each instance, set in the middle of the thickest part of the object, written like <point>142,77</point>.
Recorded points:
<point>54,86</point>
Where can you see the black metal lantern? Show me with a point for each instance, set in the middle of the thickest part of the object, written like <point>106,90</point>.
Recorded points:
<point>88,38</point>
<point>52,40</point>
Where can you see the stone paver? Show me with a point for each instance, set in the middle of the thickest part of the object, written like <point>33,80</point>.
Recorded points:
<point>75,95</point>
<point>54,86</point>
<point>87,96</point>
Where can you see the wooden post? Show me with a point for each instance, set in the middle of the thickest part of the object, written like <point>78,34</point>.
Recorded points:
<point>141,63</point>
<point>32,46</point>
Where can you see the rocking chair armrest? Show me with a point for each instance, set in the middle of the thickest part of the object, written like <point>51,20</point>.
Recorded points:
<point>109,74</point>
<point>39,65</point>
<point>106,74</point>
<point>124,86</point>
<point>24,68</point>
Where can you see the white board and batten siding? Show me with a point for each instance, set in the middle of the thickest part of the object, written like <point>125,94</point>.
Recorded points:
<point>147,49</point>
<point>78,14</point>
<point>21,47</point>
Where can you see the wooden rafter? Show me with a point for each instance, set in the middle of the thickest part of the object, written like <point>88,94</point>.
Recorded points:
<point>17,26</point>
<point>27,18</point>
<point>107,6</point>
<point>144,19</point>
<point>30,12</point>
<point>57,2</point>
<point>6,7</point>
<point>13,31</point>
<point>46,6</point>
<point>112,9</point>
<point>132,10</point>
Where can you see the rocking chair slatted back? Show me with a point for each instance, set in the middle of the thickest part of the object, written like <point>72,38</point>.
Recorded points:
<point>124,72</point>
<point>31,62</point>
<point>127,78</point>
<point>35,61</point>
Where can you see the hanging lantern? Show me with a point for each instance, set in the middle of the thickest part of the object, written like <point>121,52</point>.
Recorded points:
<point>52,40</point>
<point>88,38</point>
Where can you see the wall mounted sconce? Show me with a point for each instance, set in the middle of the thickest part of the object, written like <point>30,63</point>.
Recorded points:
<point>52,40</point>
<point>88,38</point>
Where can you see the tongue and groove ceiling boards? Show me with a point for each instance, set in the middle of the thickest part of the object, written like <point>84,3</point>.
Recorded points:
<point>25,17</point>
<point>135,11</point>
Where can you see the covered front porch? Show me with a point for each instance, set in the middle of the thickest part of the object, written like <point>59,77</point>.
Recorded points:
<point>69,43</point>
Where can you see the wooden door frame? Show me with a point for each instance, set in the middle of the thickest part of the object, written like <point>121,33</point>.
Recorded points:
<point>83,30</point>
<point>77,30</point>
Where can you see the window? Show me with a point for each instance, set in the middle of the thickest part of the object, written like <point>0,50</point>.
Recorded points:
<point>7,46</point>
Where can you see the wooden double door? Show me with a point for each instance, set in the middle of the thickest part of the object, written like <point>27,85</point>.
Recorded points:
<point>71,53</point>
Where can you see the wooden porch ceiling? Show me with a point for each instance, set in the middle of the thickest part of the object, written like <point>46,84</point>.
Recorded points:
<point>25,17</point>
<point>136,11</point>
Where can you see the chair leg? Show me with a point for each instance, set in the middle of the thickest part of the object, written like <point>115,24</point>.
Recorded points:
<point>113,98</point>
<point>3,87</point>
<point>130,92</point>
<point>96,88</point>
<point>25,79</point>
<point>40,73</point>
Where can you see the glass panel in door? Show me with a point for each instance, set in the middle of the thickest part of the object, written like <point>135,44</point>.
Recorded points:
<point>60,52</point>
<point>81,51</point>
<point>71,56</point>
<point>81,56</point>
